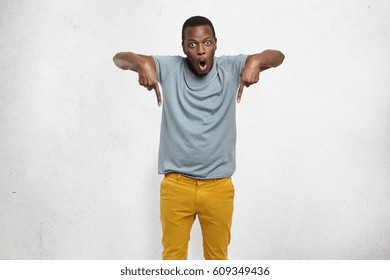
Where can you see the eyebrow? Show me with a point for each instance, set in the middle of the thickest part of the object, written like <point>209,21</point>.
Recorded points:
<point>207,38</point>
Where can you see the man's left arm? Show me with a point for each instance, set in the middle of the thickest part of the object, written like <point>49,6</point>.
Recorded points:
<point>256,63</point>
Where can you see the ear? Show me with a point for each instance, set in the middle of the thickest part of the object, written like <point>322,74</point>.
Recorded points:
<point>215,43</point>
<point>184,50</point>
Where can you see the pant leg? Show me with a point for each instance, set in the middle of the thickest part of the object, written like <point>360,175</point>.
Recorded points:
<point>177,214</point>
<point>215,211</point>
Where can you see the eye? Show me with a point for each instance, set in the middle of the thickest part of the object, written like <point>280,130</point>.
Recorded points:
<point>192,45</point>
<point>207,43</point>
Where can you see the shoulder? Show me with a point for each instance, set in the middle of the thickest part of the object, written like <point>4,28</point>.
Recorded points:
<point>232,63</point>
<point>171,59</point>
<point>167,65</point>
<point>230,58</point>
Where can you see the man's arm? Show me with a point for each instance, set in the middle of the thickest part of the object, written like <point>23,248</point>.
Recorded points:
<point>144,66</point>
<point>256,63</point>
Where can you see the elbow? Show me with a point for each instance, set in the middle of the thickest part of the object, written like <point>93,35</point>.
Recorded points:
<point>118,62</point>
<point>278,58</point>
<point>274,57</point>
<point>115,59</point>
<point>281,57</point>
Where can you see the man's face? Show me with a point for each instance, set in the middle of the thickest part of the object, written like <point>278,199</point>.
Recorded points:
<point>199,46</point>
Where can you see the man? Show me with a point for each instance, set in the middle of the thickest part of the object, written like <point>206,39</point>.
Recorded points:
<point>198,133</point>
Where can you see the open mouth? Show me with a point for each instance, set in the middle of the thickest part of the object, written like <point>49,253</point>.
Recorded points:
<point>202,64</point>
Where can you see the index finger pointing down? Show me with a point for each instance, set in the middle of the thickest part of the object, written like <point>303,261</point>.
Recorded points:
<point>158,94</point>
<point>239,93</point>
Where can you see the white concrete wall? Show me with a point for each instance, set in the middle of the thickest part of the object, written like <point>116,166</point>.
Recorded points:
<point>79,137</point>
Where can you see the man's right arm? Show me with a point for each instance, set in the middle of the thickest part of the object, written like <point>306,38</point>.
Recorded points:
<point>144,66</point>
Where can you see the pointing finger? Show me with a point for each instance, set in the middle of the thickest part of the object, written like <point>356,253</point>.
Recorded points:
<point>239,93</point>
<point>158,94</point>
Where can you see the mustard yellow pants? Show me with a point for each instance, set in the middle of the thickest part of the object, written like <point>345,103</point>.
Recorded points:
<point>181,200</point>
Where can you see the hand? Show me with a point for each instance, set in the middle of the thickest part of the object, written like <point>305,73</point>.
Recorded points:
<point>249,75</point>
<point>147,78</point>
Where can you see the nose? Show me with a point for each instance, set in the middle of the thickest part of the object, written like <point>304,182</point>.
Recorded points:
<point>201,49</point>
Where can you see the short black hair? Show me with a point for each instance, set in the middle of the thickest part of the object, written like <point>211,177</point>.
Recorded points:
<point>196,21</point>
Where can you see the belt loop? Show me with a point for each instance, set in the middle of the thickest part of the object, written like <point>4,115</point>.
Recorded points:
<point>178,176</point>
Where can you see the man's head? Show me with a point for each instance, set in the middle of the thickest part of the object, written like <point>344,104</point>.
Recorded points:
<point>196,21</point>
<point>199,44</point>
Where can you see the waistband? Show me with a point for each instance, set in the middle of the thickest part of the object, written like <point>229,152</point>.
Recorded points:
<point>181,177</point>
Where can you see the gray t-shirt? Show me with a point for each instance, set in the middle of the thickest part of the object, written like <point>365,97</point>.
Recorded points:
<point>198,126</point>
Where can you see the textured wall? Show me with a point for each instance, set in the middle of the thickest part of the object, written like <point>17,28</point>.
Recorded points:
<point>79,137</point>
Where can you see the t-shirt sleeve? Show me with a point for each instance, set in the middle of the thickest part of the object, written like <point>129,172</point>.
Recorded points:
<point>235,63</point>
<point>239,63</point>
<point>165,65</point>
